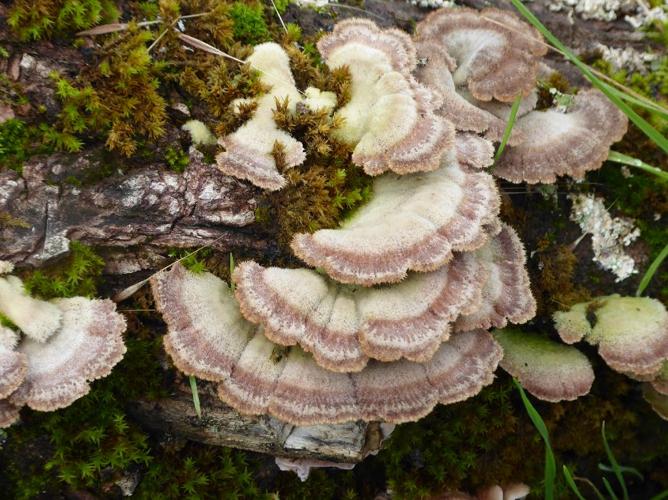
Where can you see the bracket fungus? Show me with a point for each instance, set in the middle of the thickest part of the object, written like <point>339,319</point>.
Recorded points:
<point>86,347</point>
<point>389,119</point>
<point>248,150</point>
<point>549,370</point>
<point>51,372</point>
<point>413,222</point>
<point>496,55</point>
<point>631,332</point>
<point>344,326</point>
<point>13,364</point>
<point>570,143</point>
<point>477,63</point>
<point>208,337</point>
<point>506,293</point>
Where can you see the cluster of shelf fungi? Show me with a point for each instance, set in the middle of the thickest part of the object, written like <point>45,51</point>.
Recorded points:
<point>391,313</point>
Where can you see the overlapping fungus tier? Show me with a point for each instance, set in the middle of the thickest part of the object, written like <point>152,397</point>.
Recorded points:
<point>413,222</point>
<point>257,376</point>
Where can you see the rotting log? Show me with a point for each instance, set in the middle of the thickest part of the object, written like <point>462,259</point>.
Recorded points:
<point>220,425</point>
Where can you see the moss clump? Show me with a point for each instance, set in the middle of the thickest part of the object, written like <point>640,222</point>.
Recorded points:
<point>118,98</point>
<point>556,281</point>
<point>248,22</point>
<point>32,20</point>
<point>77,275</point>
<point>14,144</point>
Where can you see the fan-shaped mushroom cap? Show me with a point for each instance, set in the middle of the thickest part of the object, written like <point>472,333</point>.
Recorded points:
<point>412,222</point>
<point>506,295</point>
<point>262,377</point>
<point>200,309</point>
<point>9,413</point>
<point>248,150</point>
<point>344,326</point>
<point>658,401</point>
<point>550,371</point>
<point>473,151</point>
<point>570,143</point>
<point>389,118</point>
<point>13,365</point>
<point>631,332</point>
<point>38,319</point>
<point>435,73</point>
<point>497,55</point>
<point>86,347</point>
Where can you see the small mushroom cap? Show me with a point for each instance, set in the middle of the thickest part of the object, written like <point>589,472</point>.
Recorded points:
<point>9,414</point>
<point>413,222</point>
<point>248,150</point>
<point>344,326</point>
<point>658,401</point>
<point>497,55</point>
<point>550,371</point>
<point>264,378</point>
<point>570,143</point>
<point>207,332</point>
<point>631,332</point>
<point>506,295</point>
<point>13,364</point>
<point>86,347</point>
<point>389,119</point>
<point>38,319</point>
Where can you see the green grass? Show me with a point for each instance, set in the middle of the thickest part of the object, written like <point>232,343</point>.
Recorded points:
<point>509,127</point>
<point>550,462</point>
<point>616,157</point>
<point>651,271</point>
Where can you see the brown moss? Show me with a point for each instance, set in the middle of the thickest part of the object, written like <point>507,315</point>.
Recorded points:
<point>555,285</point>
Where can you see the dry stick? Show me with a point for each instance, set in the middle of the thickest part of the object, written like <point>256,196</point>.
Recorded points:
<point>603,76</point>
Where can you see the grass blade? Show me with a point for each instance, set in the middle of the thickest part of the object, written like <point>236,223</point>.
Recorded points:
<point>611,492</point>
<point>193,388</point>
<point>550,462</point>
<point>509,127</point>
<point>640,122</point>
<point>661,496</point>
<point>630,470</point>
<point>613,462</point>
<point>634,162</point>
<point>569,480</point>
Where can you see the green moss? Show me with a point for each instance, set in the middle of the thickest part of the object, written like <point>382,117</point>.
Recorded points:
<point>14,144</point>
<point>117,99</point>
<point>176,159</point>
<point>32,20</point>
<point>249,24</point>
<point>77,275</point>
